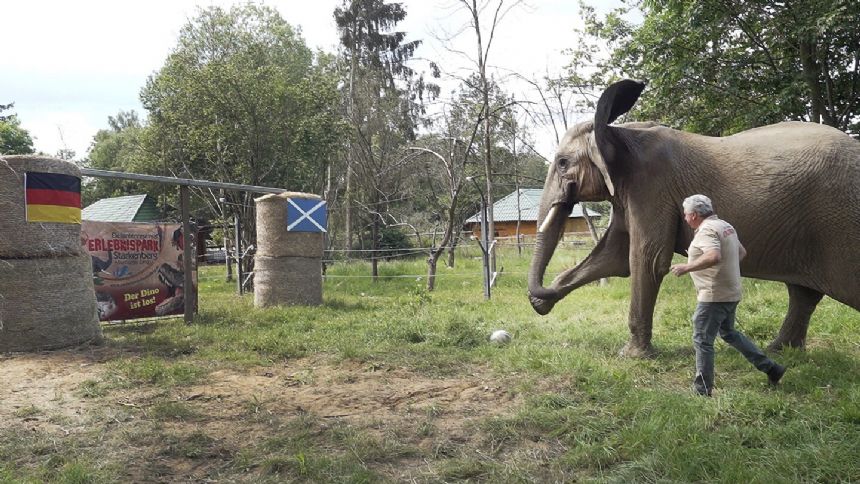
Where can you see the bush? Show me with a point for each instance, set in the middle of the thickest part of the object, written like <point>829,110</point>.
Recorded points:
<point>393,242</point>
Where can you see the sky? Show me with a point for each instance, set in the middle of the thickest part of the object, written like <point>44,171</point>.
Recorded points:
<point>68,65</point>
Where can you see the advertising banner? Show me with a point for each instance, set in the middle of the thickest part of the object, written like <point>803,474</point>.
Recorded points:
<point>137,268</point>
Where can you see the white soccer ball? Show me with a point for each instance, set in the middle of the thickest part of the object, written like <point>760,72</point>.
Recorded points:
<point>500,336</point>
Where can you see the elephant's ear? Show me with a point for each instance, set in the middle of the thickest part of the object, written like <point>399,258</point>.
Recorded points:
<point>616,100</point>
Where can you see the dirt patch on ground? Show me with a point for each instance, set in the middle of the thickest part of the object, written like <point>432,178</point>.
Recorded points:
<point>352,391</point>
<point>237,407</point>
<point>38,385</point>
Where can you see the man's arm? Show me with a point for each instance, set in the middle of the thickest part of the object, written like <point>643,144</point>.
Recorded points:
<point>709,258</point>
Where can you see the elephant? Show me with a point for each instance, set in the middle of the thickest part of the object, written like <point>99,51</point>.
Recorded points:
<point>791,190</point>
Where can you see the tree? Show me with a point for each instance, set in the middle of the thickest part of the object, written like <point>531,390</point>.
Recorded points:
<point>242,99</point>
<point>67,154</point>
<point>14,140</point>
<point>719,66</point>
<point>384,100</point>
<point>121,147</point>
<point>453,151</point>
<point>367,47</point>
<point>484,41</point>
<point>441,178</point>
<point>511,138</point>
<point>4,107</point>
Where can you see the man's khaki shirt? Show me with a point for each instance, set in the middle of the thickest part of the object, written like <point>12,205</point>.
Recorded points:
<point>720,282</point>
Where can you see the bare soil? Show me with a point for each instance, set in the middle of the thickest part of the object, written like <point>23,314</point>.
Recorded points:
<point>239,408</point>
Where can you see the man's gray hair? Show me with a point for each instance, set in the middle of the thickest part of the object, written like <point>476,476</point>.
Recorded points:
<point>699,204</point>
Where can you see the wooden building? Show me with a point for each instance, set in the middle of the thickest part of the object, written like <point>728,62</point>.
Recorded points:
<point>505,215</point>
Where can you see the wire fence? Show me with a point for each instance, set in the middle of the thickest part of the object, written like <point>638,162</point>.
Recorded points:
<point>334,259</point>
<point>389,253</point>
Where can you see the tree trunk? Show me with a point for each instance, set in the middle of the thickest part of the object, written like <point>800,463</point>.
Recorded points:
<point>491,226</point>
<point>347,205</point>
<point>227,261</point>
<point>435,253</point>
<point>227,258</point>
<point>374,244</point>
<point>519,222</point>
<point>488,171</point>
<point>517,188</point>
<point>347,202</point>
<point>249,236</point>
<point>812,76</point>
<point>431,269</point>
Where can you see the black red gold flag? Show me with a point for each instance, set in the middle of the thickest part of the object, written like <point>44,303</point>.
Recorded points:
<point>52,197</point>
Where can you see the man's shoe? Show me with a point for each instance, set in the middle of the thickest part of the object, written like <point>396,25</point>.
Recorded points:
<point>701,392</point>
<point>775,373</point>
<point>700,388</point>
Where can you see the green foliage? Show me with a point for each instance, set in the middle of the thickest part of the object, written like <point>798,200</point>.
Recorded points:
<point>437,189</point>
<point>512,158</point>
<point>384,101</point>
<point>717,67</point>
<point>242,99</point>
<point>122,147</point>
<point>5,107</point>
<point>370,45</point>
<point>392,242</point>
<point>14,140</point>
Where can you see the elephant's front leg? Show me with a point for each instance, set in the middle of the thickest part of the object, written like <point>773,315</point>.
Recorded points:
<point>608,259</point>
<point>646,275</point>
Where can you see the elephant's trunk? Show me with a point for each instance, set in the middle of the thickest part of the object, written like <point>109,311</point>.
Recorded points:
<point>553,213</point>
<point>544,298</point>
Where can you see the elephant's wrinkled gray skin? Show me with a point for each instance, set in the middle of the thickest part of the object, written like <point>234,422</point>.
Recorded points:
<point>792,191</point>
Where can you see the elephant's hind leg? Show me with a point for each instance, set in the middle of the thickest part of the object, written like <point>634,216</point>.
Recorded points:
<point>801,304</point>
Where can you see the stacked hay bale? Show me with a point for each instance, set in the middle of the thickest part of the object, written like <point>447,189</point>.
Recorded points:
<point>287,265</point>
<point>47,299</point>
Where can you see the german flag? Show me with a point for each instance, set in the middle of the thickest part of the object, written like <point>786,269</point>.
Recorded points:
<point>52,197</point>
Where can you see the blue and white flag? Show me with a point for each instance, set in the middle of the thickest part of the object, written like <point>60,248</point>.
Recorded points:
<point>306,215</point>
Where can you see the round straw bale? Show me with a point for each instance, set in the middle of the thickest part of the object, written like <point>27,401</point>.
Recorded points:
<point>47,303</point>
<point>287,281</point>
<point>273,239</point>
<point>32,239</point>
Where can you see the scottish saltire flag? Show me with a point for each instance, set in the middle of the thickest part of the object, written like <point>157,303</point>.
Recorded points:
<point>306,215</point>
<point>52,197</point>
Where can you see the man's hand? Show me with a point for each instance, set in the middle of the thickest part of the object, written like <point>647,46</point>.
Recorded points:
<point>679,269</point>
<point>708,259</point>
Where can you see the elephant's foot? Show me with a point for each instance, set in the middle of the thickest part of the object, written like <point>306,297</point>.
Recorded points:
<point>781,343</point>
<point>801,304</point>
<point>541,306</point>
<point>638,350</point>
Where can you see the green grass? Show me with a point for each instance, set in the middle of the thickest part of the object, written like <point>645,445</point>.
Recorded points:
<point>582,414</point>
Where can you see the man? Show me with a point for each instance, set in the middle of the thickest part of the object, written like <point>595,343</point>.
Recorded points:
<point>714,264</point>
